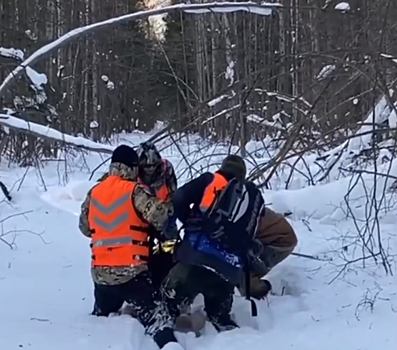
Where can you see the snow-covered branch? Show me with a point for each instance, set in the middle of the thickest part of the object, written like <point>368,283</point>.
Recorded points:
<point>51,134</point>
<point>264,9</point>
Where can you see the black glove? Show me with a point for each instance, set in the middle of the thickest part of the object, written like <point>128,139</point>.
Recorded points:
<point>256,247</point>
<point>170,231</point>
<point>257,265</point>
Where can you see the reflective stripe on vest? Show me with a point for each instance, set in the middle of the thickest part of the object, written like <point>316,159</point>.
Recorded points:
<point>108,210</point>
<point>119,236</point>
<point>217,184</point>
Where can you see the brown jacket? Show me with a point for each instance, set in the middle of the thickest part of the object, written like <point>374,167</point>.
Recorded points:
<point>279,240</point>
<point>277,236</point>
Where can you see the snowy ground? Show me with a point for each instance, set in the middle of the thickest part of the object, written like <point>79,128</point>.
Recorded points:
<point>46,290</point>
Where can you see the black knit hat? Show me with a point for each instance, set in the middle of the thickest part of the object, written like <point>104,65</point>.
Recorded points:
<point>126,155</point>
<point>234,165</point>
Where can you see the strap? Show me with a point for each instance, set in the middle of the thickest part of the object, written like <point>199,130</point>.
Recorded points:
<point>140,229</point>
<point>247,275</point>
<point>141,257</point>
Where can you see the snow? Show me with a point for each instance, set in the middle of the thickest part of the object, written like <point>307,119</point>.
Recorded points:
<point>46,288</point>
<point>110,85</point>
<point>342,6</point>
<point>326,71</point>
<point>36,78</point>
<point>12,53</point>
<point>50,133</point>
<point>94,124</point>
<point>389,57</point>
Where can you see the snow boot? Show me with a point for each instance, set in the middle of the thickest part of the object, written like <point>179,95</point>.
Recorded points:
<point>224,324</point>
<point>194,322</point>
<point>260,288</point>
<point>164,337</point>
<point>96,311</point>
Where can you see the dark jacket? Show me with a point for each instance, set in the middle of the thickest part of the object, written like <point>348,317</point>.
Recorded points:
<point>186,202</point>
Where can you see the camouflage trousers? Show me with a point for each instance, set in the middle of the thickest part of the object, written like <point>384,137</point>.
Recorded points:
<point>159,266</point>
<point>185,282</point>
<point>142,295</point>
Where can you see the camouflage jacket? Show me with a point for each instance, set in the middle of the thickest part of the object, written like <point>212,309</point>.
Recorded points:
<point>151,210</point>
<point>166,177</point>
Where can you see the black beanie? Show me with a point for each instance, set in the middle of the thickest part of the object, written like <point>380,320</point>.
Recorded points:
<point>126,155</point>
<point>235,166</point>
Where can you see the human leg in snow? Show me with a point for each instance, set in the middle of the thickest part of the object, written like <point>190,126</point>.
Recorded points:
<point>218,300</point>
<point>107,300</point>
<point>151,311</point>
<point>160,265</point>
<point>179,293</point>
<point>185,282</point>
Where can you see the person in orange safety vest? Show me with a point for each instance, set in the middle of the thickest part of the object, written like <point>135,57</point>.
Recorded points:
<point>119,214</point>
<point>219,212</point>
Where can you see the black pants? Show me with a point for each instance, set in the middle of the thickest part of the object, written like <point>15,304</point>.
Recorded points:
<point>159,266</point>
<point>151,310</point>
<point>185,282</point>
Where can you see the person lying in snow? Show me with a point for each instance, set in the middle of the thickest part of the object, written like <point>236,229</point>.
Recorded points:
<point>214,250</point>
<point>279,241</point>
<point>119,215</point>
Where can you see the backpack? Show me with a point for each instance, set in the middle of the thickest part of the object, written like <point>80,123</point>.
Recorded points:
<point>232,219</point>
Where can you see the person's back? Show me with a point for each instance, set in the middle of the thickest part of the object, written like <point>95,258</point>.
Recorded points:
<point>206,264</point>
<point>119,215</point>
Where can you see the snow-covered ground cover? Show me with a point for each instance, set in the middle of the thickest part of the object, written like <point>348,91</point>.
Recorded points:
<point>333,302</point>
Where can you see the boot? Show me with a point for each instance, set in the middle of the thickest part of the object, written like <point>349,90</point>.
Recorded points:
<point>194,322</point>
<point>164,337</point>
<point>260,288</point>
<point>223,324</point>
<point>96,311</point>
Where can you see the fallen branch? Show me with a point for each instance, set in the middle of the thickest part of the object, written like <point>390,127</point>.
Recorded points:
<point>51,134</point>
<point>311,257</point>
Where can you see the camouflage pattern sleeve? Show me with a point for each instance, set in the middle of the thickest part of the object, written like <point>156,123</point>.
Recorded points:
<point>170,177</point>
<point>84,225</point>
<point>151,209</point>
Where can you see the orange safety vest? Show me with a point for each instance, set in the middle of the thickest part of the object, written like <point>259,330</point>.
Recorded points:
<point>119,236</point>
<point>163,192</point>
<point>217,184</point>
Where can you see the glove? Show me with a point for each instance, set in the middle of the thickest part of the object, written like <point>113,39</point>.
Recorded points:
<point>256,247</point>
<point>257,265</point>
<point>166,247</point>
<point>170,232</point>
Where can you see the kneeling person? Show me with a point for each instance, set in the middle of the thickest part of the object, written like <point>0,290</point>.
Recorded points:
<point>219,212</point>
<point>118,215</point>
